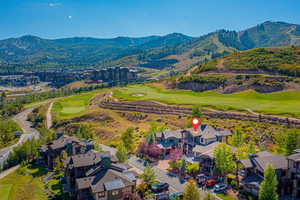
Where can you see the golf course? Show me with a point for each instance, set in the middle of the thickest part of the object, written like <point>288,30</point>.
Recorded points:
<point>73,106</point>
<point>281,103</point>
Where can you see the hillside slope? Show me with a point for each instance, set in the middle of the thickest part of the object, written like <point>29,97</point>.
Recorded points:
<point>170,52</point>
<point>267,69</point>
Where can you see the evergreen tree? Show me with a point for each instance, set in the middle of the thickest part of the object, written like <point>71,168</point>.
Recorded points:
<point>291,142</point>
<point>121,153</point>
<point>191,191</point>
<point>251,147</point>
<point>127,138</point>
<point>238,138</point>
<point>196,112</point>
<point>268,187</point>
<point>85,132</point>
<point>148,176</point>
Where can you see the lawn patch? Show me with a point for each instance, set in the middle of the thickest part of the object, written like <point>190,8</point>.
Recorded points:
<point>73,106</point>
<point>23,185</point>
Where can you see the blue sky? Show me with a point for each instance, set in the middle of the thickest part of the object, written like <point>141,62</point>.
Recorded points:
<point>112,18</point>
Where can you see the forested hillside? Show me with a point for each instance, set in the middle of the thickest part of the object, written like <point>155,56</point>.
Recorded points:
<point>174,51</point>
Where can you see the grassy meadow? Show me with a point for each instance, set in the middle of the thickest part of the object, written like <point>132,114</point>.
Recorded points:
<point>18,186</point>
<point>282,103</point>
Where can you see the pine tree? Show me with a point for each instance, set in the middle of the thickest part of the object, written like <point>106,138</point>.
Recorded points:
<point>196,112</point>
<point>191,191</point>
<point>127,138</point>
<point>148,176</point>
<point>238,138</point>
<point>291,143</point>
<point>121,153</point>
<point>268,188</point>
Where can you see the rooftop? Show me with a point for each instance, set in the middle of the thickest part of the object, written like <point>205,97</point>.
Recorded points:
<point>104,180</point>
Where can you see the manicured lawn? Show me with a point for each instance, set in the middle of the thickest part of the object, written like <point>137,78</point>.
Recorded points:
<point>73,106</point>
<point>17,186</point>
<point>286,102</point>
<point>226,197</point>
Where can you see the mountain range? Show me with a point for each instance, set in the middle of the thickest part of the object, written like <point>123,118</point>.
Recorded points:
<point>173,51</point>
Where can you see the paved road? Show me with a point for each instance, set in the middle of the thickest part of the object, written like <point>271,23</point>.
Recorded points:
<point>28,133</point>
<point>175,185</point>
<point>49,121</point>
<point>162,175</point>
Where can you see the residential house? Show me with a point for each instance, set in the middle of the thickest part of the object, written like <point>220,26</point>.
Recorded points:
<point>106,184</point>
<point>98,176</point>
<point>254,171</point>
<point>205,155</point>
<point>188,139</point>
<point>294,174</point>
<point>53,149</point>
<point>78,166</point>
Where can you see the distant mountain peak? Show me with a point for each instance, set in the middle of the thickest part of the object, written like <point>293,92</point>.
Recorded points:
<point>174,50</point>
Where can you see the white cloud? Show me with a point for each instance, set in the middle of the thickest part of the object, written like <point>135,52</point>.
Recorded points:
<point>70,16</point>
<point>54,4</point>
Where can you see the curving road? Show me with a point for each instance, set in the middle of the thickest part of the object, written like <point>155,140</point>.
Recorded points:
<point>28,133</point>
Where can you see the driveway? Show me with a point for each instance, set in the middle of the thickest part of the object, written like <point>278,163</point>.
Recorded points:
<point>28,133</point>
<point>161,175</point>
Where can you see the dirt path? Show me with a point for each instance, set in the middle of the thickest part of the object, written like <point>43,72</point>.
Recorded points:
<point>49,121</point>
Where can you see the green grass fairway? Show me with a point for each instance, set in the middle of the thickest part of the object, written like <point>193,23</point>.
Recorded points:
<point>73,106</point>
<point>286,102</point>
<point>16,186</point>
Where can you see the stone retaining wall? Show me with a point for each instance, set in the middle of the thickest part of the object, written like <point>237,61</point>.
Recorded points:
<point>177,110</point>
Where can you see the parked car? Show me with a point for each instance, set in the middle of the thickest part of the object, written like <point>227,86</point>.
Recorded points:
<point>160,187</point>
<point>220,187</point>
<point>201,179</point>
<point>171,174</point>
<point>162,196</point>
<point>182,180</point>
<point>177,195</point>
<point>211,182</point>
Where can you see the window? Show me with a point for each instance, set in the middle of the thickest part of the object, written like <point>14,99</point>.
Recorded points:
<point>114,193</point>
<point>101,194</point>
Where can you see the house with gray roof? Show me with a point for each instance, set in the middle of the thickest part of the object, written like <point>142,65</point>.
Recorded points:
<point>65,143</point>
<point>254,170</point>
<point>83,165</point>
<point>106,184</point>
<point>187,139</point>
